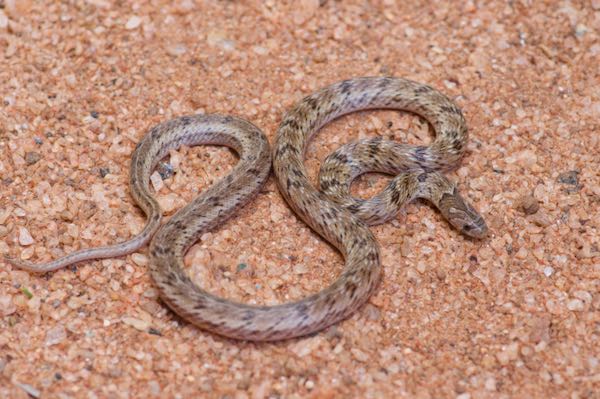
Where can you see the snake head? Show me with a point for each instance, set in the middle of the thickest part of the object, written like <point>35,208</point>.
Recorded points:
<point>462,215</point>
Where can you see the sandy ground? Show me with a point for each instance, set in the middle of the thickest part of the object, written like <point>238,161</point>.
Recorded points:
<point>515,315</point>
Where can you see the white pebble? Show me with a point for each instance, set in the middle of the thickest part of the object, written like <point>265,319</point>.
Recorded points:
<point>490,384</point>
<point>138,324</point>
<point>524,158</point>
<point>585,296</point>
<point>3,20</point>
<point>55,335</point>
<point>24,237</point>
<point>305,347</point>
<point>154,387</point>
<point>575,305</point>
<point>139,259</point>
<point>133,22</point>
<point>169,202</point>
<point>157,182</point>
<point>176,50</point>
<point>98,196</point>
<point>548,271</point>
<point>300,268</point>
<point>304,10</point>
<point>7,306</point>
<point>260,50</point>
<point>359,355</point>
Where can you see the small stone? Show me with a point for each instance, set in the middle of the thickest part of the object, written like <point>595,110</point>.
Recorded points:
<point>510,353</point>
<point>218,39</point>
<point>168,203</point>
<point>300,268</point>
<point>27,253</point>
<point>541,219</point>
<point>548,271</point>
<point>151,307</point>
<point>488,361</point>
<point>3,20</point>
<point>528,204</point>
<point>570,178</point>
<point>67,216</point>
<point>276,216</point>
<point>372,312</point>
<point>133,22</point>
<point>490,384</point>
<point>24,237</point>
<point>154,331</point>
<point>18,7</point>
<point>359,355</point>
<point>306,346</point>
<point>502,358</point>
<point>177,50</point>
<point>540,330</point>
<point>154,387</point>
<point>586,252</point>
<point>138,324</point>
<point>304,11</point>
<point>585,296</point>
<point>55,335</point>
<point>165,170</point>
<point>30,390</point>
<point>260,50</point>
<point>581,30</point>
<point>34,304</point>
<point>32,157</point>
<point>522,253</point>
<point>526,158</point>
<point>98,196</point>
<point>440,274</point>
<point>157,181</point>
<point>139,259</point>
<point>7,306</point>
<point>575,305</point>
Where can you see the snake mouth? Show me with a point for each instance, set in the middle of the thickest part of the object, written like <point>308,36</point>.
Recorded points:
<point>476,230</point>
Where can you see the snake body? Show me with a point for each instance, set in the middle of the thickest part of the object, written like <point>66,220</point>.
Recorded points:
<point>331,212</point>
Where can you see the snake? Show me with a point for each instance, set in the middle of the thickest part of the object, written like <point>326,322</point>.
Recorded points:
<point>329,210</point>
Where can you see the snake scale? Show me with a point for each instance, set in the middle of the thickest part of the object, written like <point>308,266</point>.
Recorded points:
<point>331,211</point>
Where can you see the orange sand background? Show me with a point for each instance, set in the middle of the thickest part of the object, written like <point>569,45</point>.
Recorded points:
<point>517,315</point>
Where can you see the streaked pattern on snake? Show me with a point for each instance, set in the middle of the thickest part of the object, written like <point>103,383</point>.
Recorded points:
<point>332,213</point>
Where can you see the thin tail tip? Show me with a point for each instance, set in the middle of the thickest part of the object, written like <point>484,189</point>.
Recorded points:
<point>13,261</point>
<point>19,264</point>
<point>8,259</point>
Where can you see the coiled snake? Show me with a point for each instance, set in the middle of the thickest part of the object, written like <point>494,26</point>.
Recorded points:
<point>332,212</point>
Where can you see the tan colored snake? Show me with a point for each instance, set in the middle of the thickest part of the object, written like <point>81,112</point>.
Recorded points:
<point>330,212</point>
